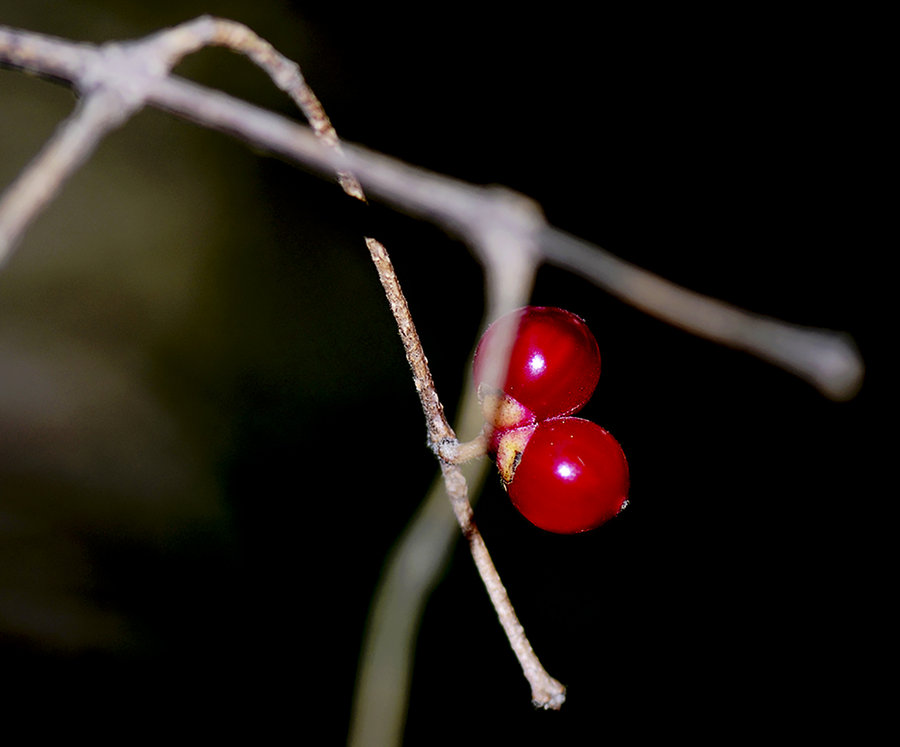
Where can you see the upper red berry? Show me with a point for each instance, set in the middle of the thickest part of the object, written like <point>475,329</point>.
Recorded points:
<point>554,366</point>
<point>570,476</point>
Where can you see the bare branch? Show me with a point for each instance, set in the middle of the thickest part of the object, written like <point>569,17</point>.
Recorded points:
<point>481,215</point>
<point>438,428</point>
<point>205,31</point>
<point>828,360</point>
<point>70,146</point>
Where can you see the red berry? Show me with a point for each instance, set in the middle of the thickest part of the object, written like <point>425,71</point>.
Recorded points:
<point>554,366</point>
<point>570,476</point>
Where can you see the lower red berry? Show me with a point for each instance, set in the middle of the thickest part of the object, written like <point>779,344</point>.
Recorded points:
<point>570,475</point>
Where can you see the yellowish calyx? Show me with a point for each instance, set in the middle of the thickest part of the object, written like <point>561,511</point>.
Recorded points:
<point>501,410</point>
<point>510,447</point>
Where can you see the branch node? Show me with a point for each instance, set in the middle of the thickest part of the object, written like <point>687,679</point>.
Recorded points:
<point>452,451</point>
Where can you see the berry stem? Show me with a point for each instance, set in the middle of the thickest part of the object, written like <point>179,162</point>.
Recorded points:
<point>460,452</point>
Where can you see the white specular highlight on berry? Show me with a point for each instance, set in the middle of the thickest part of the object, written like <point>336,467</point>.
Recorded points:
<point>537,364</point>
<point>566,470</point>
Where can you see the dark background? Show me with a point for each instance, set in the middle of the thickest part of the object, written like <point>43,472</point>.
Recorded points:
<point>209,439</point>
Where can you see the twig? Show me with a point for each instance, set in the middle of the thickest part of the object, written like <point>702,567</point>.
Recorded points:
<point>546,691</point>
<point>206,31</point>
<point>69,147</point>
<point>828,360</point>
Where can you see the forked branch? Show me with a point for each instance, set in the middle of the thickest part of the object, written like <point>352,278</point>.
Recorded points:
<point>485,217</point>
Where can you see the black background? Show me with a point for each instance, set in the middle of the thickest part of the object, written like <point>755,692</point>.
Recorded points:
<point>740,594</point>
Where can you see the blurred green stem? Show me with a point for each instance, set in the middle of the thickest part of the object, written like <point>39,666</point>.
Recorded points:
<point>411,572</point>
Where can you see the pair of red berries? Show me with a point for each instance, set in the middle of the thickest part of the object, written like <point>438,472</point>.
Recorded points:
<point>564,474</point>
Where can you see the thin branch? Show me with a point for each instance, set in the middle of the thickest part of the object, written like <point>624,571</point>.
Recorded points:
<point>206,31</point>
<point>828,360</point>
<point>69,147</point>
<point>436,421</point>
<point>546,692</point>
